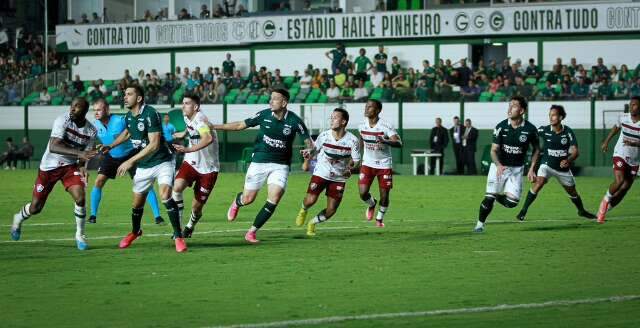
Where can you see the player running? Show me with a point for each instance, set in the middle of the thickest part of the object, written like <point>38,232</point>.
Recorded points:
<point>560,150</point>
<point>109,128</point>
<point>338,151</point>
<point>69,149</point>
<point>271,157</point>
<point>154,162</point>
<point>377,136</point>
<point>511,140</point>
<point>626,157</point>
<point>200,164</point>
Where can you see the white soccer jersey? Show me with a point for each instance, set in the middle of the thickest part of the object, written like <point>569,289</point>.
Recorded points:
<point>376,155</point>
<point>204,160</point>
<point>628,131</point>
<point>79,138</point>
<point>334,155</point>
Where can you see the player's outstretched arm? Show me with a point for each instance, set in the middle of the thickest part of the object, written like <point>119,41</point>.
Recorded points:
<point>233,126</point>
<point>152,147</point>
<point>393,141</point>
<point>57,146</point>
<point>179,135</point>
<point>310,149</point>
<point>605,144</point>
<point>124,136</point>
<point>574,152</point>
<point>205,140</point>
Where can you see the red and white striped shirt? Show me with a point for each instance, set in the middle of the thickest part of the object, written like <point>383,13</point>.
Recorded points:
<point>629,130</point>
<point>334,155</point>
<point>377,155</point>
<point>80,138</point>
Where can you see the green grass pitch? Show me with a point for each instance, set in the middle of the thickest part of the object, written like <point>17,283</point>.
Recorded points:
<point>425,259</point>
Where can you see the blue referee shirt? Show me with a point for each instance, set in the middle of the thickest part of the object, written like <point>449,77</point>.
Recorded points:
<point>108,134</point>
<point>167,131</point>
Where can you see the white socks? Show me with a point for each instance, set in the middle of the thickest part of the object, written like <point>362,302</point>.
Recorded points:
<point>479,225</point>
<point>80,213</point>
<point>381,211</point>
<point>319,218</point>
<point>178,198</point>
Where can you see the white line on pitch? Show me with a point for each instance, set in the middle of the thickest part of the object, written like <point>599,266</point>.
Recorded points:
<point>433,313</point>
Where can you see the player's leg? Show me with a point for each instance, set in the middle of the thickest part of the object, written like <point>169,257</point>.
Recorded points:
<point>619,174</point>
<point>152,200</point>
<point>364,184</point>
<point>77,192</point>
<point>179,185</point>
<point>142,182</point>
<point>495,186</point>
<point>201,192</point>
<point>96,196</point>
<point>385,183</point>
<point>316,185</point>
<point>541,180</point>
<point>277,183</point>
<point>166,173</point>
<point>253,181</point>
<point>45,181</point>
<point>512,188</point>
<point>334,193</point>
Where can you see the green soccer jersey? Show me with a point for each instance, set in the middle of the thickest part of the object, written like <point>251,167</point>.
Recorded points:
<point>361,64</point>
<point>381,56</point>
<point>139,127</point>
<point>556,145</point>
<point>274,142</point>
<point>228,66</point>
<point>514,143</point>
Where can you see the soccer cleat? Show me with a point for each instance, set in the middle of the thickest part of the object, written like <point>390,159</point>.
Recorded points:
<point>187,232</point>
<point>311,229</point>
<point>521,216</point>
<point>160,221</point>
<point>371,210</point>
<point>81,242</point>
<point>302,216</point>
<point>15,234</point>
<point>92,219</point>
<point>232,213</point>
<point>587,215</point>
<point>379,224</point>
<point>602,211</point>
<point>16,227</point>
<point>250,236</point>
<point>181,246</point>
<point>129,238</point>
<point>478,229</point>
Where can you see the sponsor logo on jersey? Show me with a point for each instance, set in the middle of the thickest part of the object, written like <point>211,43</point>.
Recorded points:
<point>275,143</point>
<point>514,150</point>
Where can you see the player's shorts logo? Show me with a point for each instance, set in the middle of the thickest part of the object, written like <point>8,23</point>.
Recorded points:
<point>140,126</point>
<point>523,138</point>
<point>313,186</point>
<point>204,190</point>
<point>619,163</point>
<point>39,188</point>
<point>564,141</point>
<point>339,188</point>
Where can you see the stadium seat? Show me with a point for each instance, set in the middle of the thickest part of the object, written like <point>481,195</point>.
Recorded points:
<point>485,96</point>
<point>531,80</point>
<point>264,99</point>
<point>252,99</point>
<point>288,81</point>
<point>56,101</point>
<point>498,96</point>
<point>323,99</point>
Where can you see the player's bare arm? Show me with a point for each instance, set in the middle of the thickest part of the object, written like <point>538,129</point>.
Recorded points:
<point>205,140</point>
<point>152,147</point>
<point>495,148</point>
<point>393,141</point>
<point>179,135</point>
<point>535,157</point>
<point>612,133</point>
<point>56,145</point>
<point>124,136</point>
<point>233,126</point>
<point>573,155</point>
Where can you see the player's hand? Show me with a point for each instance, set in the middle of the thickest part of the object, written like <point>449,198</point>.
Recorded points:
<point>87,155</point>
<point>124,168</point>
<point>180,148</point>
<point>105,149</point>
<point>306,153</point>
<point>531,176</point>
<point>381,140</point>
<point>84,175</point>
<point>564,163</point>
<point>604,147</point>
<point>500,170</point>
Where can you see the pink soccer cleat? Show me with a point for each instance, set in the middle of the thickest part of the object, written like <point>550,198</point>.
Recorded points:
<point>232,213</point>
<point>371,211</point>
<point>129,238</point>
<point>379,224</point>
<point>602,211</point>
<point>250,236</point>
<point>181,246</point>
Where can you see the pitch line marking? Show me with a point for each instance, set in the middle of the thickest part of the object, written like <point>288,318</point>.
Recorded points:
<point>433,313</point>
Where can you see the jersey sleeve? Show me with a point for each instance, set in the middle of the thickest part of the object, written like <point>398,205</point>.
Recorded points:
<point>391,131</point>
<point>155,124</point>
<point>253,121</point>
<point>534,140</point>
<point>618,123</point>
<point>319,142</point>
<point>203,126</point>
<point>57,131</point>
<point>302,130</point>
<point>497,139</point>
<point>573,141</point>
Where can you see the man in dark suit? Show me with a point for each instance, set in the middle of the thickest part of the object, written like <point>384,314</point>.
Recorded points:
<point>469,141</point>
<point>438,140</point>
<point>455,133</point>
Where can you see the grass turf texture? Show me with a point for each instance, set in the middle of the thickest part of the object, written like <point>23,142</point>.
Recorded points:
<point>426,258</point>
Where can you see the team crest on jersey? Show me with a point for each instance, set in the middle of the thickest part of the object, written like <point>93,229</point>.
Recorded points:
<point>39,188</point>
<point>140,126</point>
<point>286,131</point>
<point>523,138</point>
<point>564,141</point>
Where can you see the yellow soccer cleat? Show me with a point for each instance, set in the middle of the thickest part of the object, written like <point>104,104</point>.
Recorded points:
<point>311,229</point>
<point>302,216</point>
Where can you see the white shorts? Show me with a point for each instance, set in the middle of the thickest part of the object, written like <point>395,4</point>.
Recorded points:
<point>510,182</point>
<point>565,178</point>
<point>258,173</point>
<point>145,177</point>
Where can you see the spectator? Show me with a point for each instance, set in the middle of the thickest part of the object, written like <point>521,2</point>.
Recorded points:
<point>238,81</point>
<point>455,134</point>
<point>634,91</point>
<point>306,6</point>
<point>95,19</point>
<point>204,12</point>
<point>381,5</point>
<point>45,97</point>
<point>346,93</point>
<point>337,56</point>
<point>396,68</point>
<point>305,81</point>
<point>464,73</point>
<point>148,17</point>
<point>183,14</point>
<point>523,89</point>
<point>469,140</point>
<point>218,12</point>
<point>438,140</point>
<point>402,88</point>
<point>547,93</point>
<point>507,89</point>
<point>221,90</point>
<point>601,69</point>
<point>381,60</point>
<point>340,78</point>
<point>360,94</point>
<point>363,64</point>
<point>471,91</point>
<point>532,70</point>
<point>242,11</point>
<point>580,90</point>
<point>277,83</point>
<point>376,77</point>
<point>605,91</point>
<point>228,66</point>
<point>83,19</point>
<point>333,92</point>
<point>8,155</point>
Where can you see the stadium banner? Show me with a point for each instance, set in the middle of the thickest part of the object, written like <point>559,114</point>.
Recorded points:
<point>458,22</point>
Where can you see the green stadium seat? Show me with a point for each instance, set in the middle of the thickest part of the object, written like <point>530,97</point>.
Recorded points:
<point>312,98</point>
<point>531,80</point>
<point>498,96</point>
<point>264,99</point>
<point>402,5</point>
<point>323,99</point>
<point>230,98</point>
<point>288,81</point>
<point>56,101</point>
<point>252,99</point>
<point>485,96</point>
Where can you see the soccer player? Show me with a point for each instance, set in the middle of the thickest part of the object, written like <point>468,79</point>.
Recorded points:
<point>109,128</point>
<point>626,157</point>
<point>271,157</point>
<point>338,151</point>
<point>377,137</point>
<point>559,151</point>
<point>200,165</point>
<point>511,140</point>
<point>154,162</point>
<point>70,148</point>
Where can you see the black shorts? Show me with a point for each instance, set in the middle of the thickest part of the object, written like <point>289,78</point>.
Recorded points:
<point>109,166</point>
